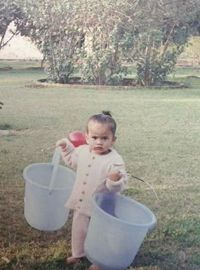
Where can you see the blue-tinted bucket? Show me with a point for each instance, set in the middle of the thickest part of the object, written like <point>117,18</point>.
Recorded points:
<point>47,188</point>
<point>116,231</point>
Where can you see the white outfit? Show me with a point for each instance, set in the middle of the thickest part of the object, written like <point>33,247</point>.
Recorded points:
<point>91,176</point>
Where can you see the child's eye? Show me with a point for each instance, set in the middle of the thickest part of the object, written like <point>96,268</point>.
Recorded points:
<point>94,137</point>
<point>104,138</point>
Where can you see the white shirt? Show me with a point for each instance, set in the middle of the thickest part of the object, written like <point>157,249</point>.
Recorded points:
<point>91,175</point>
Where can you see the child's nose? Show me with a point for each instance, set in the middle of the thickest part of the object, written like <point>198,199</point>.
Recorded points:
<point>99,141</point>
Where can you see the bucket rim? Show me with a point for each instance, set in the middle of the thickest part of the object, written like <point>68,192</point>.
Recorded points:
<point>26,178</point>
<point>148,225</point>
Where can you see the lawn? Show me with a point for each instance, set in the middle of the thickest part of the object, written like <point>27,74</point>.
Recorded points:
<point>158,137</point>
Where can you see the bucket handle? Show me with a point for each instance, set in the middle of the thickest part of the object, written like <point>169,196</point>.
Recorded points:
<point>55,162</point>
<point>150,186</point>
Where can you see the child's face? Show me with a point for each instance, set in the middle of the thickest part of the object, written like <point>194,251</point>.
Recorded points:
<point>99,137</point>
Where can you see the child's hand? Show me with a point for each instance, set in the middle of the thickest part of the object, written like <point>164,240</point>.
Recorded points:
<point>62,144</point>
<point>115,176</point>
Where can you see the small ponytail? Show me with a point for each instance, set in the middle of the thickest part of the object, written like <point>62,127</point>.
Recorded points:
<point>107,113</point>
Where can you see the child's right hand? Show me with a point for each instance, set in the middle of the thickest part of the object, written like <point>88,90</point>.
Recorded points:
<point>62,144</point>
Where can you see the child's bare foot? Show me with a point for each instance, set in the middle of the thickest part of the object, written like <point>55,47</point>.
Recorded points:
<point>94,267</point>
<point>72,260</point>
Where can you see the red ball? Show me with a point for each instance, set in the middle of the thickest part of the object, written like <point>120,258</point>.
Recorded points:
<point>77,138</point>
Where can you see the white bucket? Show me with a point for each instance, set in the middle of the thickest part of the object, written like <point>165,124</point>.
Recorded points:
<point>116,231</point>
<point>47,188</point>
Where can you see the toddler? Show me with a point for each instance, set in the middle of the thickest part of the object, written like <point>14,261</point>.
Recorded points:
<point>98,168</point>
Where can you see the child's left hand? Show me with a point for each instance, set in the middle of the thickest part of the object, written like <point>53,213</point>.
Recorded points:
<point>114,176</point>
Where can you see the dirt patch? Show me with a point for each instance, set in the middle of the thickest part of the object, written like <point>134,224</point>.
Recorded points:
<point>125,83</point>
<point>170,85</point>
<point>4,132</point>
<point>193,77</point>
<point>6,68</point>
<point>36,85</point>
<point>77,81</point>
<point>13,132</point>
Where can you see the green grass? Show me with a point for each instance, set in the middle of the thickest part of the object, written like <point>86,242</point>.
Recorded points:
<point>16,64</point>
<point>158,137</point>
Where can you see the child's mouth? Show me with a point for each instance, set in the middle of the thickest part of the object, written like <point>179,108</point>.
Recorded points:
<point>98,148</point>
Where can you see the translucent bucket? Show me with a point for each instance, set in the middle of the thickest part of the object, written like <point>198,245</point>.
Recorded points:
<point>116,231</point>
<point>47,188</point>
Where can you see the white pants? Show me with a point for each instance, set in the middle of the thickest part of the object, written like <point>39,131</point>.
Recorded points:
<point>79,231</point>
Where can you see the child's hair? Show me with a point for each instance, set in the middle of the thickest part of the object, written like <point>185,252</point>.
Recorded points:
<point>104,118</point>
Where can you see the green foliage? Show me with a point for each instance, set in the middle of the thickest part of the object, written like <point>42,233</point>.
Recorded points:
<point>9,12</point>
<point>158,37</point>
<point>102,58</point>
<point>60,54</point>
<point>154,70</point>
<point>98,36</point>
<point>100,67</point>
<point>54,28</point>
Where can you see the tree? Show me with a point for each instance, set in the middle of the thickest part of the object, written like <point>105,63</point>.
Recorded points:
<point>56,28</point>
<point>102,58</point>
<point>97,36</point>
<point>150,34</point>
<point>9,12</point>
<point>155,35</point>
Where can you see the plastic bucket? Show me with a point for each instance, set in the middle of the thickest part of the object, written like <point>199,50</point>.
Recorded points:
<point>116,231</point>
<point>45,196</point>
